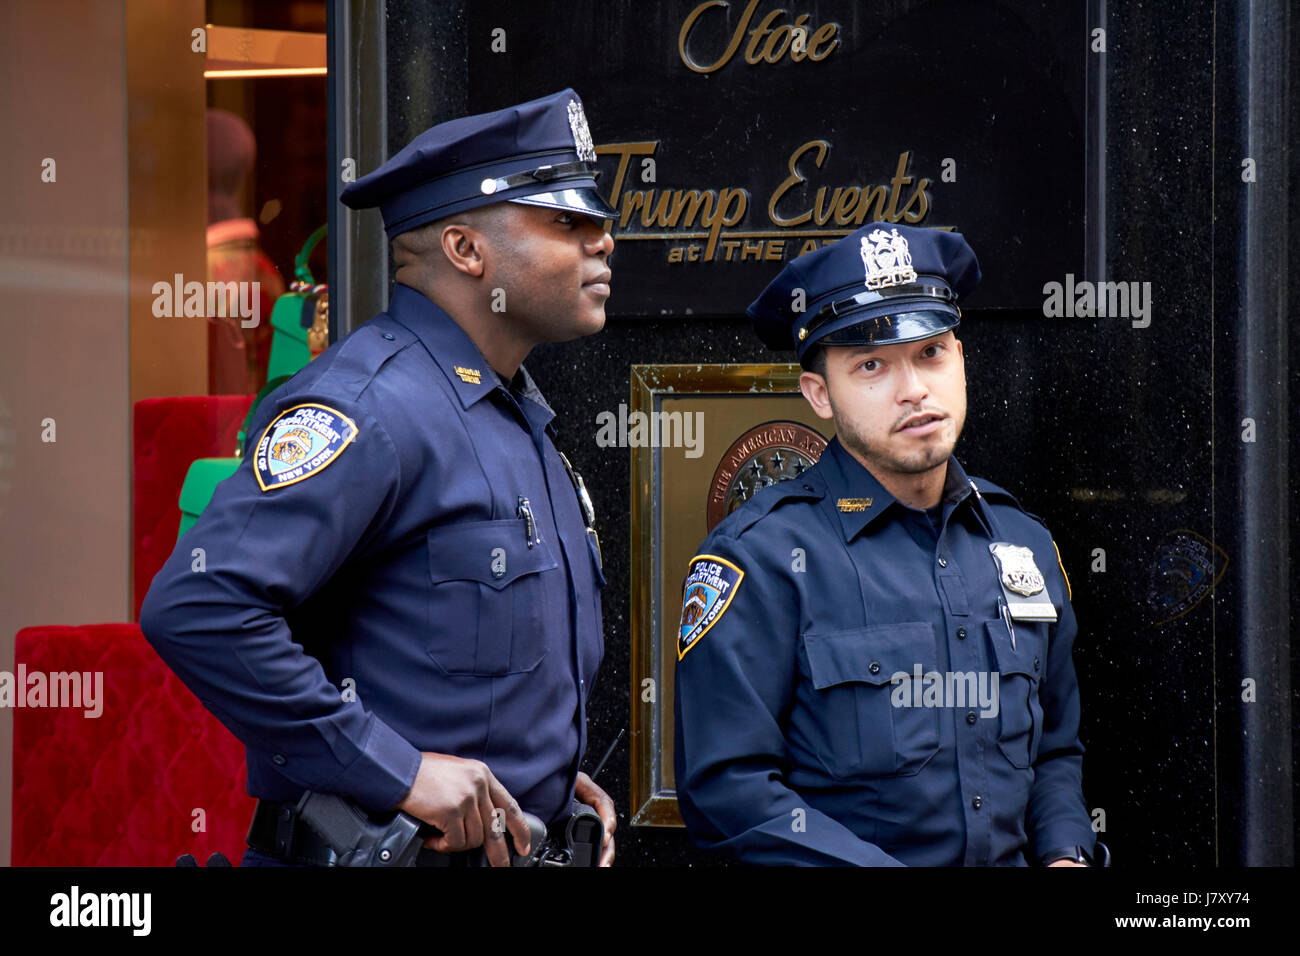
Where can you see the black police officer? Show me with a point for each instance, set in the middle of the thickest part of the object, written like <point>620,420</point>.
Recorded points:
<point>398,599</point>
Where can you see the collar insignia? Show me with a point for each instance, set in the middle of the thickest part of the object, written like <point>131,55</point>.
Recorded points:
<point>471,375</point>
<point>853,504</point>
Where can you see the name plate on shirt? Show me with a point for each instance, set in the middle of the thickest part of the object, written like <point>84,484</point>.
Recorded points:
<point>1023,585</point>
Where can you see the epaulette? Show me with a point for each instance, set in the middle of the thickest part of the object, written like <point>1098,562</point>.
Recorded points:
<point>808,488</point>
<point>362,354</point>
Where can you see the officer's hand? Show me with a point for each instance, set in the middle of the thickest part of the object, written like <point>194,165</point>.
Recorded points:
<point>468,804</point>
<point>587,792</point>
<point>1066,863</point>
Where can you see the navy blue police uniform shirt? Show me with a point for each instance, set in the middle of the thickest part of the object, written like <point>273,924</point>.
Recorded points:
<point>400,564</point>
<point>820,591</point>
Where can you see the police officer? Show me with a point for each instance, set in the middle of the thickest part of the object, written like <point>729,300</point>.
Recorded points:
<point>396,598</point>
<point>875,664</point>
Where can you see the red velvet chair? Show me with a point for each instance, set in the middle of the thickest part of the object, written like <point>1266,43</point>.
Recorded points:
<point>122,788</point>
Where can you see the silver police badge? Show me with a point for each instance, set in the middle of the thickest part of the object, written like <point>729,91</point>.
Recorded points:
<point>1019,573</point>
<point>887,259</point>
<point>581,134</point>
<point>1019,579</point>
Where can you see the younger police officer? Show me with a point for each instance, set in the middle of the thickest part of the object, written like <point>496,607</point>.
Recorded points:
<point>876,665</point>
<point>398,594</point>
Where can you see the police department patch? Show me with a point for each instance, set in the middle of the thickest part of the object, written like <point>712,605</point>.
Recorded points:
<point>299,443</point>
<point>711,583</point>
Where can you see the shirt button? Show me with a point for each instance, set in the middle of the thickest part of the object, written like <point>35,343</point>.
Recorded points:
<point>1035,663</point>
<point>943,562</point>
<point>875,667</point>
<point>279,760</point>
<point>961,633</point>
<point>977,802</point>
<point>970,716</point>
<point>390,336</point>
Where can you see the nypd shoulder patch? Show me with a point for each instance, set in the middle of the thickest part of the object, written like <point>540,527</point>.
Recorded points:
<point>711,583</point>
<point>300,442</point>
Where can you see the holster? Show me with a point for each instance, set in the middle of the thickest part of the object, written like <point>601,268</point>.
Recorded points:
<point>356,838</point>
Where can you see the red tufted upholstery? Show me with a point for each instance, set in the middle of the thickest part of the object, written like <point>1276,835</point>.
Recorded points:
<point>169,434</point>
<point>120,789</point>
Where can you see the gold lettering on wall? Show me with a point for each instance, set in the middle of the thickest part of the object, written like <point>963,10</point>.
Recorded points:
<point>798,209</point>
<point>769,41</point>
<point>849,204</point>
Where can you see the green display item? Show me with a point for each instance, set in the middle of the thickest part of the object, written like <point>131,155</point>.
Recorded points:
<point>291,319</point>
<point>289,350</point>
<point>200,481</point>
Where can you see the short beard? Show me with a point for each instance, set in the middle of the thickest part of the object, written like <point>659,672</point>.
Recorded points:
<point>926,460</point>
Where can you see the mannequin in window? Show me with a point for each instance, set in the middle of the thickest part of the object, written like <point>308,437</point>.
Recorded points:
<point>237,356</point>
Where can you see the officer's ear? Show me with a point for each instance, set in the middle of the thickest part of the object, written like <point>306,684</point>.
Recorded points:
<point>462,246</point>
<point>815,391</point>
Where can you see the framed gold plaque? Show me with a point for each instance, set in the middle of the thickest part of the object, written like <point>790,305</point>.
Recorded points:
<point>704,439</point>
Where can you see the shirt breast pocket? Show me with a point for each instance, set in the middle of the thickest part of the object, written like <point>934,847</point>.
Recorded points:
<point>1020,713</point>
<point>488,598</point>
<point>861,731</point>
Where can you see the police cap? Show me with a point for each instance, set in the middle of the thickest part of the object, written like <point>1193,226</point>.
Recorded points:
<point>880,285</point>
<point>538,153</point>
